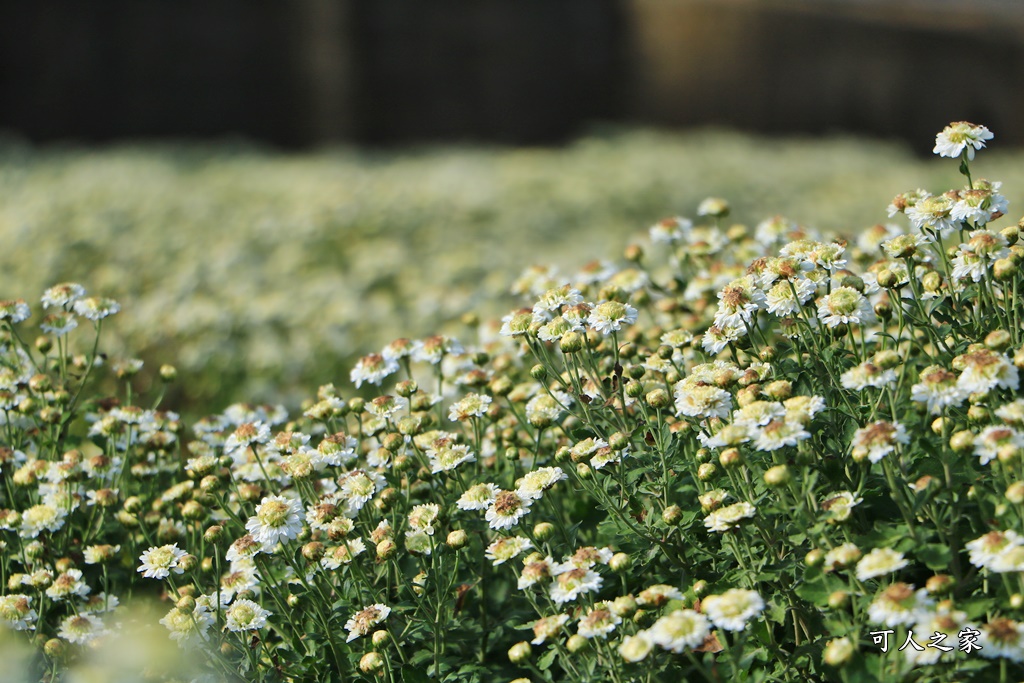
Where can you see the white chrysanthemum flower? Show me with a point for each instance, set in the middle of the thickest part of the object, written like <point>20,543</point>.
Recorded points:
<point>189,626</point>
<point>779,434</point>
<point>159,562</point>
<point>904,246</point>
<point>552,301</point>
<point>681,630</point>
<point>1002,637</point>
<point>701,400</point>
<point>729,517</point>
<point>938,389</point>
<point>555,329</point>
<point>569,585</point>
<point>535,483</point>
<point>68,585</point>
<point>733,609</point>
<point>992,440</point>
<point>986,551</point>
<point>548,627</point>
<point>933,214</point>
<point>241,576</point>
<point>372,368</point>
<point>584,558</point>
<point>599,621</point>
<point>96,308</point>
<point>14,311</point>
<point>959,136</point>
<point>357,487</point>
<point>362,621</point>
<point>338,555</point>
<point>504,549</point>
<point>58,324</point>
<point>670,230</point>
<point>607,456</point>
<point>785,298</point>
<point>42,517</point>
<point>547,407</point>
<point>879,562</point>
<point>535,570</point>
<point>16,612</point>
<point>507,509</point>
<point>803,409</point>
<point>1010,560</point>
<point>244,548</point>
<point>433,349</point>
<point>1012,412</point>
<point>728,435</point>
<point>445,455</point>
<point>587,447</point>
<point>677,339</point>
<point>81,628</point>
<point>738,302</point>
<point>471,405</point>
<point>478,497</point>
<point>246,615</point>
<point>943,621</point>
<point>635,648</point>
<point>657,595</point>
<point>277,519</point>
<point>610,316</point>
<point>422,517</point>
<point>716,338</point>
<point>386,406</point>
<point>774,230</point>
<point>899,605</point>
<point>878,440</point>
<point>867,374</point>
<point>845,305</point>
<point>63,294</point>
<point>981,204</point>
<point>839,506</point>
<point>245,435</point>
<point>984,370</point>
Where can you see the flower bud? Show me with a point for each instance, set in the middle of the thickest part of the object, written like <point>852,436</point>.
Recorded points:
<point>839,652</point>
<point>188,562</point>
<point>43,344</point>
<point>577,643</point>
<point>206,565</point>
<point>583,470</point>
<point>706,471</point>
<point>213,533</point>
<point>700,588</point>
<point>961,441</point>
<point>672,514</point>
<point>371,662</point>
<point>571,342</point>
<point>1004,269</point>
<point>887,278</point>
<point>777,476</point>
<point>386,549</point>
<point>779,390</point>
<point>883,309</point>
<point>1015,493</point>
<point>1016,601</point>
<point>168,373</point>
<point>55,649</point>
<point>313,551</point>
<point>932,282</point>
<point>633,253</point>
<point>814,558</point>
<point>618,441</point>
<point>730,458</point>
<point>634,389</point>
<point>380,637</point>
<point>457,539</point>
<point>838,599</point>
<point>520,652</point>
<point>658,399</point>
<point>998,340</point>
<point>620,562</point>
<point>543,531</point>
<point>978,414</point>
<point>940,584</point>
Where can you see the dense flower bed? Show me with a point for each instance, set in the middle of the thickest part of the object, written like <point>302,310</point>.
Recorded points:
<point>745,454</point>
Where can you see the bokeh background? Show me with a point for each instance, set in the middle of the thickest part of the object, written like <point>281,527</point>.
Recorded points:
<point>273,189</point>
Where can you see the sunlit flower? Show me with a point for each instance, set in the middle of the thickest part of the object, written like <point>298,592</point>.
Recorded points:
<point>733,609</point>
<point>159,562</point>
<point>959,136</point>
<point>362,621</point>
<point>879,562</point>
<point>246,615</point>
<point>681,630</point>
<point>277,519</point>
<point>899,605</point>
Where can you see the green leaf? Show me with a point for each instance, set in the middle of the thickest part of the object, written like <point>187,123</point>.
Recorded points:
<point>936,556</point>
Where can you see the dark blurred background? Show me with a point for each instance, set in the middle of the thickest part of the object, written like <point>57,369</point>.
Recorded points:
<point>305,72</point>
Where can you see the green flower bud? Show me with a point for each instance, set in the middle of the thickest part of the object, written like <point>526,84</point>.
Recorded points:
<point>839,652</point>
<point>777,476</point>
<point>371,662</point>
<point>520,652</point>
<point>673,513</point>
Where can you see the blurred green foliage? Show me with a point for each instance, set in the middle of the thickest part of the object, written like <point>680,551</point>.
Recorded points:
<point>261,274</point>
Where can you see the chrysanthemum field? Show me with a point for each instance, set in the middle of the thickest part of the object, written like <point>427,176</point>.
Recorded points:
<point>743,453</point>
